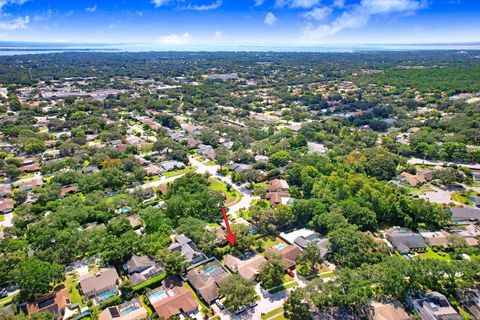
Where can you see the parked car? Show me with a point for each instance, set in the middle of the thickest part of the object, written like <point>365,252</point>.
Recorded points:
<point>253,304</point>
<point>3,293</point>
<point>240,310</point>
<point>290,273</point>
<point>219,304</point>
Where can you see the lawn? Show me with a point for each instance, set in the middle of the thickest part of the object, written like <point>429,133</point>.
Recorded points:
<point>274,312</point>
<point>151,179</point>
<point>328,274</point>
<point>73,292</point>
<point>462,197</point>
<point>420,190</point>
<point>430,254</point>
<point>268,242</point>
<point>288,282</point>
<point>2,217</point>
<point>150,282</point>
<point>7,300</point>
<point>179,172</point>
<point>233,196</point>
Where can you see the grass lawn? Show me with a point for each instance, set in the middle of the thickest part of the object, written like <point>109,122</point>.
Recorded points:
<point>2,217</point>
<point>430,254</point>
<point>73,292</point>
<point>27,176</point>
<point>420,190</point>
<point>285,286</point>
<point>232,196</point>
<point>179,172</point>
<point>151,179</point>
<point>7,300</point>
<point>274,312</point>
<point>150,282</point>
<point>268,242</point>
<point>462,197</point>
<point>210,163</point>
<point>328,274</point>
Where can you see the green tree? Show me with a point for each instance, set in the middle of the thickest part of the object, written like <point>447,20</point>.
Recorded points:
<point>36,277</point>
<point>271,272</point>
<point>238,292</point>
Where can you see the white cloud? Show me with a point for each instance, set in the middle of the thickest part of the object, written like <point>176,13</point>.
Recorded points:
<point>69,13</point>
<point>259,2</point>
<point>19,23</point>
<point>339,3</point>
<point>204,7</point>
<point>218,35</point>
<point>358,16</point>
<point>44,16</point>
<point>318,14</point>
<point>159,3</point>
<point>306,4</point>
<point>175,39</point>
<point>270,19</point>
<point>91,9</point>
<point>4,3</point>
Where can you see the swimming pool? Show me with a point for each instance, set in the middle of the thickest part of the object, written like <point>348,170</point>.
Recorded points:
<point>106,295</point>
<point>129,310</point>
<point>280,246</point>
<point>211,269</point>
<point>159,295</point>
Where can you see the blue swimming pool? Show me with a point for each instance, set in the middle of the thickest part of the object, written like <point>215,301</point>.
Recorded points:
<point>159,295</point>
<point>280,246</point>
<point>106,295</point>
<point>211,269</point>
<point>129,310</point>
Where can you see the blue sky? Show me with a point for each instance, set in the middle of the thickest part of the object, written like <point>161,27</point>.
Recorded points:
<point>241,22</point>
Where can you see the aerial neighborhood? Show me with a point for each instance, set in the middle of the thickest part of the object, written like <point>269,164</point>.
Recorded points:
<point>351,186</point>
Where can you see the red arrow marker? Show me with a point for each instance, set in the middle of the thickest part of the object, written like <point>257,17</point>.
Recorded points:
<point>230,236</point>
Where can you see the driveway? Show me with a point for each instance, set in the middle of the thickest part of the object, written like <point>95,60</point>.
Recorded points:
<point>267,303</point>
<point>439,196</point>
<point>7,220</point>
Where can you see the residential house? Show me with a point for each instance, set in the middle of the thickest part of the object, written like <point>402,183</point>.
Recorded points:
<point>6,206</point>
<point>405,241</point>
<point>435,238</point>
<point>101,285</point>
<point>172,299</point>
<point>410,179</point>
<point>163,188</point>
<point>240,167</point>
<point>29,184</point>
<point>206,279</point>
<point>5,190</point>
<point>287,253</point>
<point>246,264</point>
<point>470,301</point>
<point>262,159</point>
<point>387,311</point>
<point>432,306</point>
<point>317,148</point>
<point>54,303</point>
<point>33,167</point>
<point>69,190</point>
<point>171,165</point>
<point>153,170</point>
<point>465,214</point>
<point>188,249</point>
<point>277,198</point>
<point>303,237</point>
<point>131,310</point>
<point>142,268</point>
<point>135,221</point>
<point>277,185</point>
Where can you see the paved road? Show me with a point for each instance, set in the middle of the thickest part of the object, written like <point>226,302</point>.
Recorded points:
<point>442,163</point>
<point>7,222</point>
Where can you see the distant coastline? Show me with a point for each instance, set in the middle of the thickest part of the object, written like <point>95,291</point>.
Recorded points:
<point>19,48</point>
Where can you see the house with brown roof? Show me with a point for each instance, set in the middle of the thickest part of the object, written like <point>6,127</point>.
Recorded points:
<point>101,285</point>
<point>68,190</point>
<point>5,190</point>
<point>6,206</point>
<point>246,264</point>
<point>436,238</point>
<point>34,167</point>
<point>54,303</point>
<point>387,311</point>
<point>29,184</point>
<point>277,185</point>
<point>131,310</point>
<point>287,253</point>
<point>163,188</point>
<point>206,279</point>
<point>412,180</point>
<point>172,298</point>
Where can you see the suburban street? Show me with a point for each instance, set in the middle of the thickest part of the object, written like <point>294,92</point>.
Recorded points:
<point>417,161</point>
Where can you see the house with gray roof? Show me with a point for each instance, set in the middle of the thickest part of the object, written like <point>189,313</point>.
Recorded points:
<point>188,249</point>
<point>101,285</point>
<point>406,241</point>
<point>465,214</point>
<point>142,268</point>
<point>206,279</point>
<point>432,306</point>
